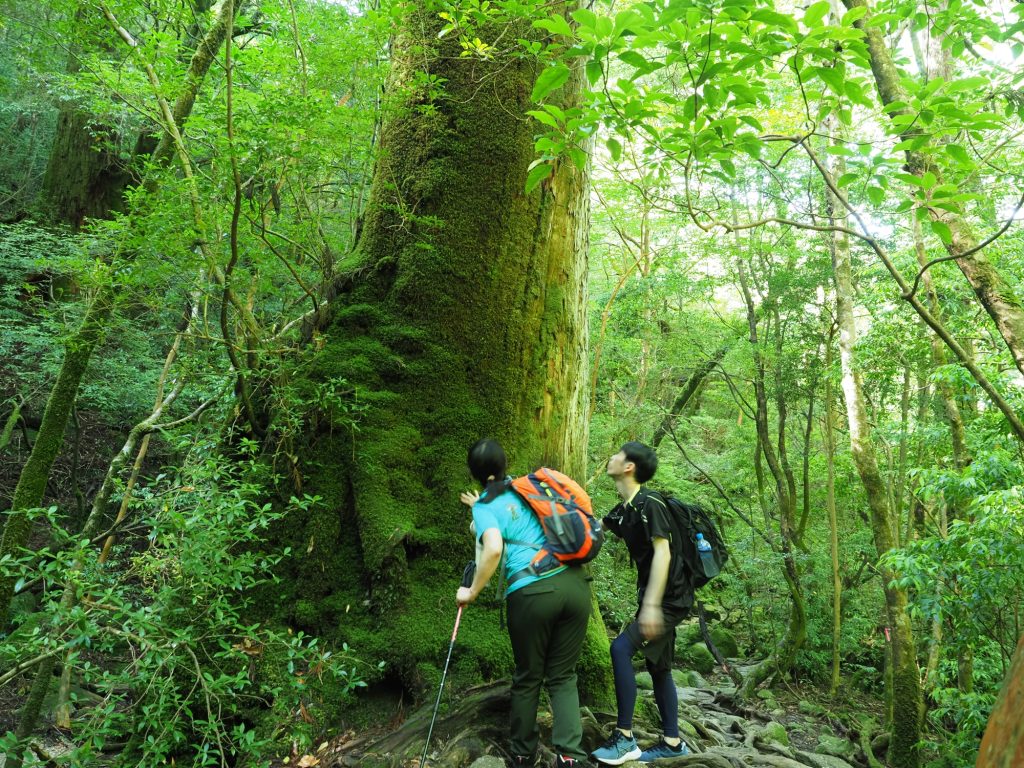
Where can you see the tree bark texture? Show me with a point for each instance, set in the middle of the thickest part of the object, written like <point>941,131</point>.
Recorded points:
<point>85,178</point>
<point>1003,743</point>
<point>467,320</point>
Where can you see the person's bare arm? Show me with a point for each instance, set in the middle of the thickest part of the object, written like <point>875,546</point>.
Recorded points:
<point>490,556</point>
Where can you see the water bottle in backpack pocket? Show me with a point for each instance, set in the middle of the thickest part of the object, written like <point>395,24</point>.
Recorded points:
<point>707,557</point>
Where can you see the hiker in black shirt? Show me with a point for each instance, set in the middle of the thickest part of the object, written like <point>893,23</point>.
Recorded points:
<point>664,598</point>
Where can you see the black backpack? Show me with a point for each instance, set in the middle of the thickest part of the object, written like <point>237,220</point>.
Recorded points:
<point>691,519</point>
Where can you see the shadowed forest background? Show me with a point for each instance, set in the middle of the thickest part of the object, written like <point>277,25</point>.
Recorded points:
<point>268,268</point>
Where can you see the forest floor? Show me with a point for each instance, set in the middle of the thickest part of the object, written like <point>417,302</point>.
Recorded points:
<point>790,728</point>
<point>783,728</point>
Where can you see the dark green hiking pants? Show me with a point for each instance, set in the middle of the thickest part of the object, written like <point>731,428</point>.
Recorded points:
<point>547,623</point>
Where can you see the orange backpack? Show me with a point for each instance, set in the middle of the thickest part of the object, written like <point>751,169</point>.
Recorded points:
<point>572,534</point>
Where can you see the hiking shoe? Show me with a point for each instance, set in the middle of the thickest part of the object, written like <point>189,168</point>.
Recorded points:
<point>662,750</point>
<point>564,761</point>
<point>619,749</point>
<point>519,761</point>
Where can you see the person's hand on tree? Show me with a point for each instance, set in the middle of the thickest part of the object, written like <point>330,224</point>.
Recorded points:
<point>651,622</point>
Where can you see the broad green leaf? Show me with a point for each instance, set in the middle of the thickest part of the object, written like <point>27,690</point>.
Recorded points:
<point>543,117</point>
<point>832,77</point>
<point>960,155</point>
<point>579,158</point>
<point>876,195</point>
<point>537,174</point>
<point>854,14</point>
<point>555,24</point>
<point>815,13</point>
<point>846,179</point>
<point>548,80</point>
<point>594,71</point>
<point>585,18</point>
<point>909,178</point>
<point>942,230</point>
<point>635,60</point>
<point>614,149</point>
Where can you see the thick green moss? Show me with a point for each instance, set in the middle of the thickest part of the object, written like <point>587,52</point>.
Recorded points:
<point>466,320</point>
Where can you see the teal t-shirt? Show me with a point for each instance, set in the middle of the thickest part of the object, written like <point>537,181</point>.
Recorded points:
<point>514,521</point>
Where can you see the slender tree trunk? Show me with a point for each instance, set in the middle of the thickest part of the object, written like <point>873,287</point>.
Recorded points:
<point>906,684</point>
<point>689,390</point>
<point>784,654</point>
<point>805,512</point>
<point>469,321</point>
<point>961,457</point>
<point>28,494</point>
<point>994,293</point>
<point>1003,743</point>
<point>833,518</point>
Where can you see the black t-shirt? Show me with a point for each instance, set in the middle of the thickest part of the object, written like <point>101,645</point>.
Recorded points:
<point>637,522</point>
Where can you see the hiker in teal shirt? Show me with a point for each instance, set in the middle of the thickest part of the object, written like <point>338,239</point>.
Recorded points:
<point>547,615</point>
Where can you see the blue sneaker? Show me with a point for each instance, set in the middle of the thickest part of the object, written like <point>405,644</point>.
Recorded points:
<point>619,749</point>
<point>662,750</point>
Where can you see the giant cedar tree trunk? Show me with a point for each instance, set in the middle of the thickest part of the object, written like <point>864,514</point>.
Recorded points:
<point>85,178</point>
<point>467,319</point>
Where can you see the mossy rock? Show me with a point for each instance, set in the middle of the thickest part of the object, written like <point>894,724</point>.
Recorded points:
<point>835,746</point>
<point>725,642</point>
<point>776,732</point>
<point>810,708</point>
<point>698,657</point>
<point>689,634</point>
<point>689,678</point>
<point>644,681</point>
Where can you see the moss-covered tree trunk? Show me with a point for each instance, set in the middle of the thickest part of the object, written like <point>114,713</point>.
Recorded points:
<point>28,493</point>
<point>85,178</point>
<point>1003,743</point>
<point>906,683</point>
<point>467,318</point>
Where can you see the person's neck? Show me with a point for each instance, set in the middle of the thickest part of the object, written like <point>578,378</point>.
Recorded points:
<point>626,487</point>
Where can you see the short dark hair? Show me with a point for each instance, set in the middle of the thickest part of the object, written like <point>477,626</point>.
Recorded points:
<point>645,459</point>
<point>487,459</point>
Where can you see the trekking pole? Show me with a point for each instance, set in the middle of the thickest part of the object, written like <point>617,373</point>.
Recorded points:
<point>467,581</point>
